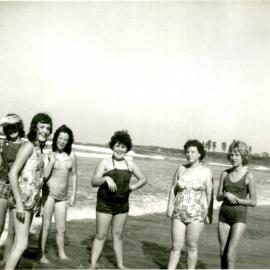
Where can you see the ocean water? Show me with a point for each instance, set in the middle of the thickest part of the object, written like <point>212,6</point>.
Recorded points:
<point>152,198</point>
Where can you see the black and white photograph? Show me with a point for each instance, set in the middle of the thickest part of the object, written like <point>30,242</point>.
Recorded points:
<point>134,134</point>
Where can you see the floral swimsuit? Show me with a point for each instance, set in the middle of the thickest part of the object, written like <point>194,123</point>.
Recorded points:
<point>190,202</point>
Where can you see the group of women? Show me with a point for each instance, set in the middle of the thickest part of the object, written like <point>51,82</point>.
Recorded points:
<point>28,169</point>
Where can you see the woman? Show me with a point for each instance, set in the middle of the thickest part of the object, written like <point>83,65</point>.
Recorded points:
<point>112,176</point>
<point>189,204</point>
<point>55,190</point>
<point>237,190</point>
<point>26,179</point>
<point>14,131</point>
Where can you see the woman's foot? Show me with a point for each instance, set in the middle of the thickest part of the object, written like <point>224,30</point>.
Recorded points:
<point>44,260</point>
<point>91,266</point>
<point>121,267</point>
<point>64,258</point>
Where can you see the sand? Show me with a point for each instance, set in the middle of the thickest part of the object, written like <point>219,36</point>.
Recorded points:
<point>147,244</point>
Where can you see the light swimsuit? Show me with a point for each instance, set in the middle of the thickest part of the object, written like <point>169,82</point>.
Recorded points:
<point>57,185</point>
<point>190,202</point>
<point>30,181</point>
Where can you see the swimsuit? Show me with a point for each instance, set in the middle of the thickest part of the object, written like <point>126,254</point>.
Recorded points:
<point>57,185</point>
<point>115,202</point>
<point>234,213</point>
<point>8,155</point>
<point>190,202</point>
<point>30,181</point>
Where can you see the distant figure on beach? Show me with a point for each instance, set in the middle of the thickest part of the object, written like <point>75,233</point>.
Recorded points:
<point>189,204</point>
<point>13,129</point>
<point>112,176</point>
<point>26,180</point>
<point>237,190</point>
<point>63,166</point>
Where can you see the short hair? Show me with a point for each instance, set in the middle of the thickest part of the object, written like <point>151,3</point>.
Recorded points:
<point>197,144</point>
<point>19,126</point>
<point>38,118</point>
<point>67,130</point>
<point>122,137</point>
<point>240,147</point>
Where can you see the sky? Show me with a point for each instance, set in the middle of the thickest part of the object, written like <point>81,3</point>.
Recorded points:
<point>165,71</point>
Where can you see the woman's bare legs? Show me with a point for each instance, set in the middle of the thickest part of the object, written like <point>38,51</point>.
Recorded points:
<point>223,235</point>
<point>21,239</point>
<point>194,230</point>
<point>60,215</point>
<point>10,236</point>
<point>3,213</point>
<point>118,225</point>
<point>46,223</point>
<point>103,224</point>
<point>178,231</point>
<point>237,231</point>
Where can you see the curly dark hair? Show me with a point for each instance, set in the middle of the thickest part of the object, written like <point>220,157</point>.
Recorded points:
<point>67,130</point>
<point>121,136</point>
<point>38,118</point>
<point>197,144</point>
<point>9,128</point>
<point>240,147</point>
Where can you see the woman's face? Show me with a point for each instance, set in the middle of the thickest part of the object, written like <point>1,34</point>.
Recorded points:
<point>13,132</point>
<point>62,141</point>
<point>43,131</point>
<point>119,150</point>
<point>192,154</point>
<point>236,158</point>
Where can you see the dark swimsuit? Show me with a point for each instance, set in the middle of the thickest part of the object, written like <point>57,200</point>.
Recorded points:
<point>234,213</point>
<point>115,202</point>
<point>8,155</point>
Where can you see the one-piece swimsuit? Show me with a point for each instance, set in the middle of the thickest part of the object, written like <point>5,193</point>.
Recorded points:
<point>115,202</point>
<point>234,213</point>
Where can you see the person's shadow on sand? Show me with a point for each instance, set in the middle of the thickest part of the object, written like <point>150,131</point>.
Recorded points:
<point>160,256</point>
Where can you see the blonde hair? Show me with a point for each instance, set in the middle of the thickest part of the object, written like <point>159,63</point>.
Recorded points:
<point>240,147</point>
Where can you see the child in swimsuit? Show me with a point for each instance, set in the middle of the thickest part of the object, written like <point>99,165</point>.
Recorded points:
<point>112,176</point>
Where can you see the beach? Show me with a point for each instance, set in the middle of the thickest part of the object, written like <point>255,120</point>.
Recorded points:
<point>147,243</point>
<point>147,239</point>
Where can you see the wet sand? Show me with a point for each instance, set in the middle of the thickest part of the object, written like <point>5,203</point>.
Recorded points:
<point>147,243</point>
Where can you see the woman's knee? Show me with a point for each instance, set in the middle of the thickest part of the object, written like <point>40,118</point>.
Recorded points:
<point>118,235</point>
<point>101,236</point>
<point>46,225</point>
<point>177,246</point>
<point>21,245</point>
<point>61,228</point>
<point>192,246</point>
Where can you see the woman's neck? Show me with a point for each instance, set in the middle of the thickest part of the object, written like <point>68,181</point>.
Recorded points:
<point>237,169</point>
<point>194,165</point>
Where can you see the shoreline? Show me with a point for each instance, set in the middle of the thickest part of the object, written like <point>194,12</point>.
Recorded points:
<point>147,243</point>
